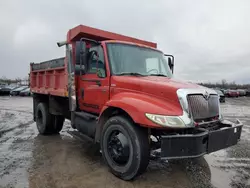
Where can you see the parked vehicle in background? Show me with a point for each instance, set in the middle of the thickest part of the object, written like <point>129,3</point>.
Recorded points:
<point>248,92</point>
<point>223,91</point>
<point>16,91</point>
<point>242,92</point>
<point>226,91</point>
<point>119,92</point>
<point>232,93</point>
<point>2,85</point>
<point>238,93</point>
<point>5,90</point>
<point>25,92</point>
<point>221,95</point>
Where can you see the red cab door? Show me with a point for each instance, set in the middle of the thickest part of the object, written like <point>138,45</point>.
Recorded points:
<point>93,86</point>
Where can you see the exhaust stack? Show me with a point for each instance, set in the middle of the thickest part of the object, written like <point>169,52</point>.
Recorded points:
<point>62,43</point>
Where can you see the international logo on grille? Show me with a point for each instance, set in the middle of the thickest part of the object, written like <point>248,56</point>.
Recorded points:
<point>206,95</point>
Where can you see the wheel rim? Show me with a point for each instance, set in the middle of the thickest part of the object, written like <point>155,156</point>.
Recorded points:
<point>118,148</point>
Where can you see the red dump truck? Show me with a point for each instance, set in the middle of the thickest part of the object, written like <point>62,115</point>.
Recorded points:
<point>120,92</point>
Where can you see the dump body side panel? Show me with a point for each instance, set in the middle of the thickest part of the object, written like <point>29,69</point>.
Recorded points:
<point>49,77</point>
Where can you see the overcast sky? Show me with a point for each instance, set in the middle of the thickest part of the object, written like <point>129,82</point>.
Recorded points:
<point>210,39</point>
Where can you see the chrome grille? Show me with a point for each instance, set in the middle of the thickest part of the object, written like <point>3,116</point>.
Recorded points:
<point>202,108</point>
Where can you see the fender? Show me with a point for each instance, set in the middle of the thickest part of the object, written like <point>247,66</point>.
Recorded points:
<point>137,104</point>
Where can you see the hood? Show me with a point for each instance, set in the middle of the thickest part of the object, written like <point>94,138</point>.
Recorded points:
<point>163,87</point>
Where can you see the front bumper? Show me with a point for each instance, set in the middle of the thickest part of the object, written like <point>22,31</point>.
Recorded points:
<point>198,142</point>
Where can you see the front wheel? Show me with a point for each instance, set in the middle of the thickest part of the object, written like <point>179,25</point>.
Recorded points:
<point>125,147</point>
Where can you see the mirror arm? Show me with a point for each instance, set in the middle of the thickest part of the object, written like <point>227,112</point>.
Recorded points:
<point>170,56</point>
<point>81,56</point>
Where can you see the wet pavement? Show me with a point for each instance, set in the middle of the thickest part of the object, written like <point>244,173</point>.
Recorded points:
<point>30,160</point>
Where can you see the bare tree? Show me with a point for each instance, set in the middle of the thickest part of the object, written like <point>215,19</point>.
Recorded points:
<point>223,83</point>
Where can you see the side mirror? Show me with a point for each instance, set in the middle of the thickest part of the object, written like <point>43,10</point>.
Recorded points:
<point>62,43</point>
<point>170,62</point>
<point>81,55</point>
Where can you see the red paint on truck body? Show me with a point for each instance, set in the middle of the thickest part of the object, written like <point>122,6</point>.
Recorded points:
<point>151,94</point>
<point>135,95</point>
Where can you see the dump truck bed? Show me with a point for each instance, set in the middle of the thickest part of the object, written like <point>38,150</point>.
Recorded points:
<point>49,77</point>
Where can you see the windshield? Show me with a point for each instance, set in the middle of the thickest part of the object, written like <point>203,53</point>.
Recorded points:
<point>135,60</point>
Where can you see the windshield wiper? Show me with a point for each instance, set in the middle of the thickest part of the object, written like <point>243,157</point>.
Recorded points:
<point>131,73</point>
<point>158,75</point>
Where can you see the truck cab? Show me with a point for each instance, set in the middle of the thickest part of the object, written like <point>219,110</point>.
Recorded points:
<point>120,92</point>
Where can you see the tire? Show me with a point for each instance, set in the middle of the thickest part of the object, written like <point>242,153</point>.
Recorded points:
<point>137,146</point>
<point>57,123</point>
<point>44,119</point>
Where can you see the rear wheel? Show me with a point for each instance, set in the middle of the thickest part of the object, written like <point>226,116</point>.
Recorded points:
<point>125,147</point>
<point>57,123</point>
<point>43,119</point>
<point>46,122</point>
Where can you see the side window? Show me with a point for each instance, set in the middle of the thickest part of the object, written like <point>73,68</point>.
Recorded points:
<point>96,63</point>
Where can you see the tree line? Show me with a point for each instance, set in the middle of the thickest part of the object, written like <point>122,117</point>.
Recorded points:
<point>226,85</point>
<point>8,81</point>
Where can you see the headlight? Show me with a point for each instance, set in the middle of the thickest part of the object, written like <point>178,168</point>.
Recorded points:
<point>167,121</point>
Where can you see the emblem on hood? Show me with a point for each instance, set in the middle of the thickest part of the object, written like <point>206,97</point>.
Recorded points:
<point>206,95</point>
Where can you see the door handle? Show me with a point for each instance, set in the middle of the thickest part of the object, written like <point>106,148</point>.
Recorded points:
<point>98,82</point>
<point>82,93</point>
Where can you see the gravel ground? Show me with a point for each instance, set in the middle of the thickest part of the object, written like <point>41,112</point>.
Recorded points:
<point>30,160</point>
